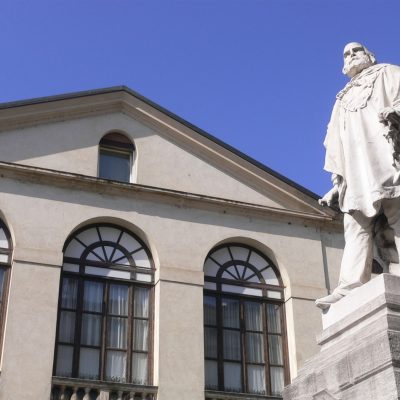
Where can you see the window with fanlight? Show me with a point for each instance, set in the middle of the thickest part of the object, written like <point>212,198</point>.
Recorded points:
<point>105,307</point>
<point>5,266</point>
<point>244,323</point>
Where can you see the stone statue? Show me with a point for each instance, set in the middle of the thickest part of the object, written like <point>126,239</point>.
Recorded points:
<point>363,155</point>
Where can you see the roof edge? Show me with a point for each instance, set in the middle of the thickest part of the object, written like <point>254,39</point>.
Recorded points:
<point>122,88</point>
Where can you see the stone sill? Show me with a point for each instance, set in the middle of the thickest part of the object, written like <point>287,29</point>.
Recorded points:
<point>103,385</point>
<point>215,395</point>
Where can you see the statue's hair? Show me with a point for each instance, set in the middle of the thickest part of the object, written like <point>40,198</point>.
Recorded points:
<point>371,55</point>
<point>368,53</point>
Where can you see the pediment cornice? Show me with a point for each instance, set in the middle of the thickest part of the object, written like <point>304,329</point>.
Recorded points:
<point>43,176</point>
<point>27,113</point>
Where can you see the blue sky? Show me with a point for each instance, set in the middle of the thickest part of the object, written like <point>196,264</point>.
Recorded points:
<point>261,75</point>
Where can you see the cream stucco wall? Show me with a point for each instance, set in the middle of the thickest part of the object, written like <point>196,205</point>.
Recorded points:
<point>29,339</point>
<point>72,146</point>
<point>42,216</point>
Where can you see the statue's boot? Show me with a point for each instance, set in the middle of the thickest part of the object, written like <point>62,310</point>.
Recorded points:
<point>325,302</point>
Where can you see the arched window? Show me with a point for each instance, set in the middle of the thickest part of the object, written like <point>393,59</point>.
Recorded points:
<point>105,307</point>
<point>116,156</point>
<point>244,339</point>
<point>5,264</point>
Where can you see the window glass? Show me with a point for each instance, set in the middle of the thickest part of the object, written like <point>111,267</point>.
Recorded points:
<point>273,318</point>
<point>139,368</point>
<point>255,347</point>
<point>118,300</point>
<point>114,165</point>
<point>116,366</point>
<point>256,379</point>
<point>211,374</point>
<point>210,342</point>
<point>91,330</point>
<point>232,377</point>
<point>253,316</point>
<point>117,333</point>
<point>232,350</point>
<point>140,335</point>
<point>141,302</point>
<point>93,296</point>
<point>210,310</point>
<point>89,363</point>
<point>230,312</point>
<point>277,380</point>
<point>64,361</point>
<point>275,349</point>
<point>4,242</point>
<point>67,327</point>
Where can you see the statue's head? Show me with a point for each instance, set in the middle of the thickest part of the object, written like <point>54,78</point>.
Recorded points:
<point>356,58</point>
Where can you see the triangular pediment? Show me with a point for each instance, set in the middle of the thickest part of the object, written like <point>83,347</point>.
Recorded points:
<point>172,153</point>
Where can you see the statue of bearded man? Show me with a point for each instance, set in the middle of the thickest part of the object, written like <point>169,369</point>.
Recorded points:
<point>362,153</point>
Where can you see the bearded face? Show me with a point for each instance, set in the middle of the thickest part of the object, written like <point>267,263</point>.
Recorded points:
<point>356,59</point>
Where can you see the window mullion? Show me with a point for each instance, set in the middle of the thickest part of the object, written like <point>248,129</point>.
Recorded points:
<point>129,347</point>
<point>104,331</point>
<point>220,344</point>
<point>78,326</point>
<point>266,349</point>
<point>150,338</point>
<point>284,344</point>
<point>242,325</point>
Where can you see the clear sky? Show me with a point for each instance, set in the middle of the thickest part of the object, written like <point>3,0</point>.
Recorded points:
<point>261,75</point>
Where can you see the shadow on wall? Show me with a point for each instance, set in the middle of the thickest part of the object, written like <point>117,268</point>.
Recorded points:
<point>65,136</point>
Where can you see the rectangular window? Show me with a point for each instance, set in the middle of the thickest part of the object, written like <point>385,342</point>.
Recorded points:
<point>243,345</point>
<point>103,331</point>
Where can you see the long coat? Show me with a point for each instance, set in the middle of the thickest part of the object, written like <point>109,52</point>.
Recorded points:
<point>356,148</point>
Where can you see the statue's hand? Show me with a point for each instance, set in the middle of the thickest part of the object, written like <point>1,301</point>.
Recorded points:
<point>385,114</point>
<point>331,198</point>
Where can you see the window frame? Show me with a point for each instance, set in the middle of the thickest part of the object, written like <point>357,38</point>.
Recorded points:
<point>6,266</point>
<point>81,277</point>
<point>218,294</point>
<point>117,148</point>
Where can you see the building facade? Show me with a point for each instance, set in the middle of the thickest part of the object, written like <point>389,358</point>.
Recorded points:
<point>140,257</point>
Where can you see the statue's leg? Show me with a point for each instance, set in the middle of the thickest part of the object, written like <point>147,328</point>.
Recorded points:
<point>391,208</point>
<point>357,258</point>
<point>357,255</point>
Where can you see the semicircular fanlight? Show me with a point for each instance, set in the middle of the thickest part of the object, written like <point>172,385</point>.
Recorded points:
<point>236,264</point>
<point>107,249</point>
<point>5,244</point>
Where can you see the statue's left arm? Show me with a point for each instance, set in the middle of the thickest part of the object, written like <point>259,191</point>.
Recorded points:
<point>392,89</point>
<point>390,115</point>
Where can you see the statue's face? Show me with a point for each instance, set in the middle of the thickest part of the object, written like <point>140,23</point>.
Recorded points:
<point>355,59</point>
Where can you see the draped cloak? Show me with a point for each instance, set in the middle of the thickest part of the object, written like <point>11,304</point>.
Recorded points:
<point>356,148</point>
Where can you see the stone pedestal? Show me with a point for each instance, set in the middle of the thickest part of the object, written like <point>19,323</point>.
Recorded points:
<point>360,348</point>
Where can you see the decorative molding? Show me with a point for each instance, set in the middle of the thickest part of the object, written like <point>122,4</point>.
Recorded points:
<point>179,199</point>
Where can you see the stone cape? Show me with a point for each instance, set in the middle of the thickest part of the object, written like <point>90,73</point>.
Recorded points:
<point>355,140</point>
